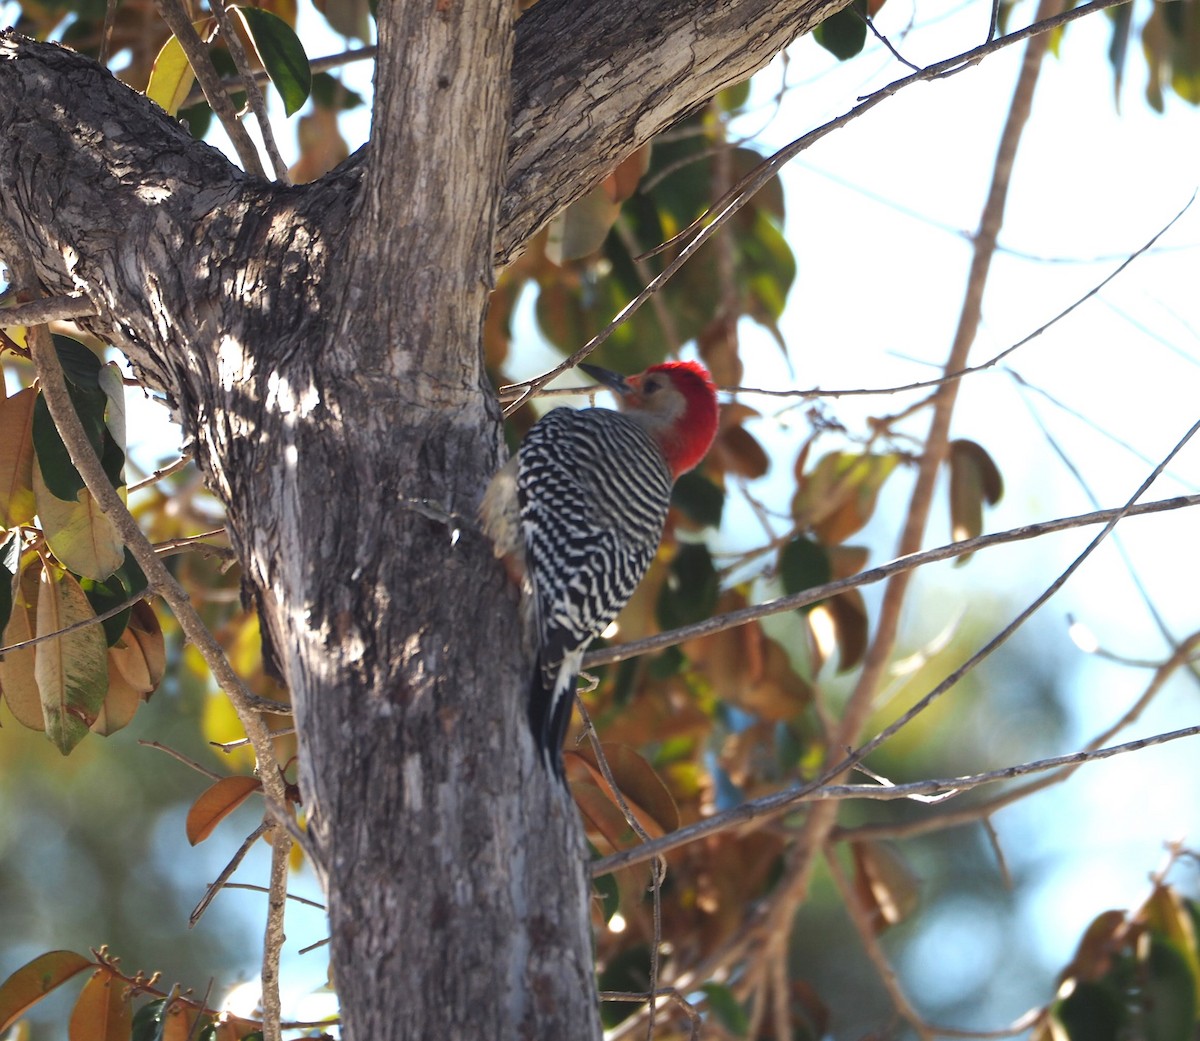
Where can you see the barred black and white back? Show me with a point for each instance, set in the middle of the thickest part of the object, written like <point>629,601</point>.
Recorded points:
<point>591,530</point>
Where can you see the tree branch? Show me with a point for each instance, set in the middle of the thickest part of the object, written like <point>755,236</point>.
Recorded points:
<point>730,620</point>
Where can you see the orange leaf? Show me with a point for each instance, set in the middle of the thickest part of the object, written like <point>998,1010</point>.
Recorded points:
<point>34,980</point>
<point>601,815</point>
<point>643,790</point>
<point>102,1012</point>
<point>216,803</point>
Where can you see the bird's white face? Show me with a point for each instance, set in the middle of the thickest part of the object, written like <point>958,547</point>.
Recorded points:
<point>655,397</point>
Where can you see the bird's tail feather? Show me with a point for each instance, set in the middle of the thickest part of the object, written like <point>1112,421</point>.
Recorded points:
<point>551,701</point>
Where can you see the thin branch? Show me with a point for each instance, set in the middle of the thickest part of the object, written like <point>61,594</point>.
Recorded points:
<point>103,616</point>
<point>198,57</point>
<point>731,619</point>
<point>773,805</point>
<point>861,920</point>
<point>657,867</point>
<point>970,814</point>
<point>820,790</point>
<point>273,936</point>
<point>254,94</point>
<point>721,211</point>
<point>323,64</point>
<point>263,889</point>
<point>181,758</point>
<point>162,473</point>
<point>229,869</point>
<point>162,582</point>
<point>50,309</point>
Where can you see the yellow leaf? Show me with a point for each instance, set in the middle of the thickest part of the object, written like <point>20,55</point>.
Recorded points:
<point>171,76</point>
<point>102,1012</point>
<point>216,803</point>
<point>72,669</point>
<point>79,533</point>
<point>16,667</point>
<point>16,458</point>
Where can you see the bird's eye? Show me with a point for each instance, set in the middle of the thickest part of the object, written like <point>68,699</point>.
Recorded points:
<point>650,386</point>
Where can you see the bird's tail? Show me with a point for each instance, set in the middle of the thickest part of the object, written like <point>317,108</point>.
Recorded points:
<point>551,700</point>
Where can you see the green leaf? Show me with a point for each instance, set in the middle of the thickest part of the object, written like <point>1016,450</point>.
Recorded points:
<point>701,499</point>
<point>1169,999</point>
<point>727,1008</point>
<point>329,92</point>
<point>10,557</point>
<point>1092,1012</point>
<point>149,1021</point>
<point>61,478</point>
<point>282,55</point>
<point>844,33</point>
<point>105,595</point>
<point>803,563</point>
<point>690,592</point>
<point>79,364</point>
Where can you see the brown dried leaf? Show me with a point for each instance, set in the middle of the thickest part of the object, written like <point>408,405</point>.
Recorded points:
<point>974,480</point>
<point>740,453</point>
<point>885,883</point>
<point>749,669</point>
<point>120,703</point>
<point>140,655</point>
<point>623,181</point>
<point>644,792</point>
<point>600,814</point>
<point>216,803</point>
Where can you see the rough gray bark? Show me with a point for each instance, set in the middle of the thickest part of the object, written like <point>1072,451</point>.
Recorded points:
<point>322,345</point>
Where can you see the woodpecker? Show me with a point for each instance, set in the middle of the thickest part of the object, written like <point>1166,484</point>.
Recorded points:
<point>578,513</point>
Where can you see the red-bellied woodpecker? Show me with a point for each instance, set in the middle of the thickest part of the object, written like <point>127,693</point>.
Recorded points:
<point>578,513</point>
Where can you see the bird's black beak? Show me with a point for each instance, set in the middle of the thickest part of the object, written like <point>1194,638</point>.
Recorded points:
<point>614,381</point>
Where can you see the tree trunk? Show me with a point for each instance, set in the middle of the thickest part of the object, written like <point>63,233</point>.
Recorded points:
<point>321,345</point>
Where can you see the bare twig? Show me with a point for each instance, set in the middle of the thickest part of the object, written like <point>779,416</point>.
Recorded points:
<point>181,757</point>
<point>323,64</point>
<point>970,814</point>
<point>263,889</point>
<point>731,619</point>
<point>103,616</point>
<point>223,877</point>
<point>772,805</point>
<point>865,928</point>
<point>657,867</point>
<point>180,24</point>
<point>163,472</point>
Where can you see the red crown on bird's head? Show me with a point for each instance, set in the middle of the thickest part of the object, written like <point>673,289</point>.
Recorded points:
<point>698,427</point>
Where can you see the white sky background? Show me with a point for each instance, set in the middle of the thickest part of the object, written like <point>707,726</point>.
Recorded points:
<point>876,216</point>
